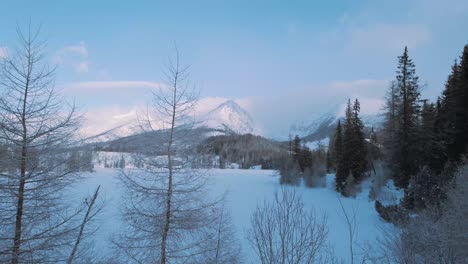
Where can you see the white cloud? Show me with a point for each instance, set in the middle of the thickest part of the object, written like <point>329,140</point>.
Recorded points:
<point>3,52</point>
<point>75,55</point>
<point>79,50</point>
<point>207,104</point>
<point>102,119</point>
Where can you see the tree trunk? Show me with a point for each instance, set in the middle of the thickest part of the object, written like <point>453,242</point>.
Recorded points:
<point>169,187</point>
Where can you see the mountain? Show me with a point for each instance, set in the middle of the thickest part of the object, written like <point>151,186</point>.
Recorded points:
<point>318,128</point>
<point>226,119</point>
<point>324,126</point>
<point>229,116</point>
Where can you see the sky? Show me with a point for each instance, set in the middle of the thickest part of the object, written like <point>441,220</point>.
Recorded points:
<point>285,62</point>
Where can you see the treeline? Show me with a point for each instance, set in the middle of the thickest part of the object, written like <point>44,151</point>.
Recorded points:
<point>246,150</point>
<point>422,148</point>
<point>424,141</point>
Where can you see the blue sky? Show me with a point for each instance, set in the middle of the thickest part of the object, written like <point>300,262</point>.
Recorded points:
<point>285,60</point>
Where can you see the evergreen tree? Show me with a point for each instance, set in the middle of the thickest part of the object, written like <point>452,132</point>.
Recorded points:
<point>404,150</point>
<point>296,148</point>
<point>304,158</point>
<point>373,136</point>
<point>354,147</point>
<point>342,170</point>
<point>392,104</point>
<point>433,154</point>
<point>329,162</point>
<point>463,117</point>
<point>452,118</point>
<point>450,108</point>
<point>359,155</point>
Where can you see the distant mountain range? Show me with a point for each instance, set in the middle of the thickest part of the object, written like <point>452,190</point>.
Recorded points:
<point>230,118</point>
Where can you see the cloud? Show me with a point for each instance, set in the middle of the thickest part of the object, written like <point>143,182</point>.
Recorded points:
<point>206,104</point>
<point>275,114</point>
<point>79,50</point>
<point>3,52</point>
<point>99,120</point>
<point>75,55</point>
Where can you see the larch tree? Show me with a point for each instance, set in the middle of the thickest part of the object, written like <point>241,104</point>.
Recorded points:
<point>37,222</point>
<point>168,213</point>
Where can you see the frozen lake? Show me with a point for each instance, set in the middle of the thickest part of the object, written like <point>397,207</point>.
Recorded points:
<point>244,189</point>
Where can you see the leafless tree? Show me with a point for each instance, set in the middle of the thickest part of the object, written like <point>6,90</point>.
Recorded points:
<point>219,244</point>
<point>37,223</point>
<point>351,227</point>
<point>89,215</point>
<point>167,209</point>
<point>283,231</point>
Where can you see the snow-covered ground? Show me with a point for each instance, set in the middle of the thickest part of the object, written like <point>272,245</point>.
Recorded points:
<point>246,188</point>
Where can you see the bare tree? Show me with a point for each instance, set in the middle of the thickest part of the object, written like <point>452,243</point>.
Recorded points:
<point>283,231</point>
<point>37,223</point>
<point>167,209</point>
<point>351,226</point>
<point>89,215</point>
<point>223,246</point>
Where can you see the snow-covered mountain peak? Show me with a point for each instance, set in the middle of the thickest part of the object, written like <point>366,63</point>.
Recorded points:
<point>229,115</point>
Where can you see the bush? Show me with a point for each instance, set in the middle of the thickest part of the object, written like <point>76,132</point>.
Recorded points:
<point>392,213</point>
<point>290,173</point>
<point>315,177</point>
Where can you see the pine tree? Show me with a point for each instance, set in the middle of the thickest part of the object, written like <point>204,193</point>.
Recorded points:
<point>342,170</point>
<point>296,148</point>
<point>348,137</point>
<point>463,117</point>
<point>359,156</point>
<point>404,150</point>
<point>329,162</point>
<point>392,104</point>
<point>452,119</point>
<point>449,128</point>
<point>433,154</point>
<point>373,136</point>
